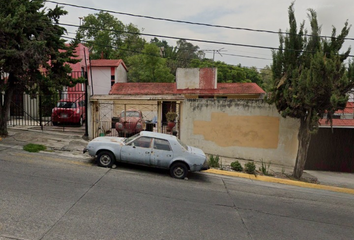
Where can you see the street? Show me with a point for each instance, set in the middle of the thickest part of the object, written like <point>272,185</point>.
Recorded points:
<point>45,196</point>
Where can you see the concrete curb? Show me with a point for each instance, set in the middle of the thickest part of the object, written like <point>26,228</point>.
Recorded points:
<point>281,181</point>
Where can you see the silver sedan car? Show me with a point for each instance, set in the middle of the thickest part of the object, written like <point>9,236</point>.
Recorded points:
<point>149,149</point>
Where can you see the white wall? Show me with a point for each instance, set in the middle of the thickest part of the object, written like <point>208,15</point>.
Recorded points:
<point>101,78</point>
<point>121,74</point>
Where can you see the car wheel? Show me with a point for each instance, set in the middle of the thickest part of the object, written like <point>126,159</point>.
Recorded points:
<point>179,170</point>
<point>105,159</point>
<point>55,123</point>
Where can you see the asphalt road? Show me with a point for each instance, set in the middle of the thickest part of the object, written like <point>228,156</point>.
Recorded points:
<point>44,196</point>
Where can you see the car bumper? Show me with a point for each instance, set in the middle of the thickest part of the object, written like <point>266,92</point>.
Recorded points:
<point>205,166</point>
<point>198,167</point>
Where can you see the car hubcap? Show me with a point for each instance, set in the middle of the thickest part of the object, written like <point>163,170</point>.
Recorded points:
<point>178,172</point>
<point>105,160</point>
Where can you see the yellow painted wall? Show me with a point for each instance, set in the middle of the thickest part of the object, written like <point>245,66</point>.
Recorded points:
<point>240,129</point>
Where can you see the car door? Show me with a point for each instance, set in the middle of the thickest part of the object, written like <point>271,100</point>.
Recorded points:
<point>138,151</point>
<point>161,154</point>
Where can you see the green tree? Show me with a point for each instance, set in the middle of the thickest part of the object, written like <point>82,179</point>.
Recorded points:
<point>266,76</point>
<point>310,78</point>
<point>30,59</point>
<point>229,73</point>
<point>109,38</point>
<point>186,52</point>
<point>168,52</point>
<point>149,66</point>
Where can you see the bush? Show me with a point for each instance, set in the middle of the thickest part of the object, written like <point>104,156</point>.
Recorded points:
<point>236,166</point>
<point>265,168</point>
<point>34,147</point>
<point>250,168</point>
<point>214,161</point>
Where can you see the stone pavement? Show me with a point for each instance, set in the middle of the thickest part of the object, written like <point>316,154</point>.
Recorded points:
<point>70,142</point>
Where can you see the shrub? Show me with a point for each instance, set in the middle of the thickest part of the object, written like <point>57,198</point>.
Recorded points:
<point>214,161</point>
<point>250,168</point>
<point>265,168</point>
<point>34,147</point>
<point>236,166</point>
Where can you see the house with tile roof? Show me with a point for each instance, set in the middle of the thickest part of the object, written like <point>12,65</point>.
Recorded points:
<point>341,118</point>
<point>104,73</point>
<point>331,149</point>
<point>156,99</point>
<point>230,120</point>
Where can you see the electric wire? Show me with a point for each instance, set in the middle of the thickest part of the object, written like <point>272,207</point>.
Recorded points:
<point>183,21</point>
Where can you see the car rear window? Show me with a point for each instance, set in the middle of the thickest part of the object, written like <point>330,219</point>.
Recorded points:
<point>130,114</point>
<point>162,144</point>
<point>66,105</point>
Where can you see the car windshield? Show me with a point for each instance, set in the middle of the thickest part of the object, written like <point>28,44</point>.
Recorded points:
<point>129,139</point>
<point>65,104</point>
<point>183,144</point>
<point>130,114</point>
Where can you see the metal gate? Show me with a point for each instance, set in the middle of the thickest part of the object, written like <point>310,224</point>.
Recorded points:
<point>108,112</point>
<point>36,110</point>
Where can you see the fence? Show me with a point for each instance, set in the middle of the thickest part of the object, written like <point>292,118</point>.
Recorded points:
<point>36,110</point>
<point>108,112</point>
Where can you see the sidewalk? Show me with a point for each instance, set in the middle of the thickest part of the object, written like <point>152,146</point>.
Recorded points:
<point>71,143</point>
<point>68,143</point>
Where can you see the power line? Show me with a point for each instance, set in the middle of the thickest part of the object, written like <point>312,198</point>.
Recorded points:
<point>156,55</point>
<point>183,21</point>
<point>194,40</point>
<point>187,39</point>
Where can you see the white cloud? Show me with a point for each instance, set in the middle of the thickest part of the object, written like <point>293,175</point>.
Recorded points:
<point>255,14</point>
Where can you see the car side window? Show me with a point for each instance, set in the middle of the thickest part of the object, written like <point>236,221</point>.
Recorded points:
<point>161,144</point>
<point>143,142</point>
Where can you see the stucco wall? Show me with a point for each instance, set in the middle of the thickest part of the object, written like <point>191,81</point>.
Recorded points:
<point>121,74</point>
<point>240,129</point>
<point>101,80</point>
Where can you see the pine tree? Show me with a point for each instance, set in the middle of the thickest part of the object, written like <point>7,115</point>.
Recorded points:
<point>310,78</point>
<point>30,60</point>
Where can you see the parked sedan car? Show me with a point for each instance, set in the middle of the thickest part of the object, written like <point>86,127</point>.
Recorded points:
<point>69,111</point>
<point>149,149</point>
<point>130,122</point>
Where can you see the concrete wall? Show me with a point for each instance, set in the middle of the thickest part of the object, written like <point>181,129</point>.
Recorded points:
<point>240,129</point>
<point>196,78</point>
<point>101,80</point>
<point>121,74</point>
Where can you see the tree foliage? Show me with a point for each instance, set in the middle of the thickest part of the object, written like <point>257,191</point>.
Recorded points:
<point>30,39</point>
<point>229,73</point>
<point>310,78</point>
<point>266,76</point>
<point>109,38</point>
<point>149,66</point>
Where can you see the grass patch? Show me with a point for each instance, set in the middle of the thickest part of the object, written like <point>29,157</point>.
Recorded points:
<point>34,147</point>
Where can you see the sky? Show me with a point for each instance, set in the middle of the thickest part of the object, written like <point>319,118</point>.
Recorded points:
<point>270,15</point>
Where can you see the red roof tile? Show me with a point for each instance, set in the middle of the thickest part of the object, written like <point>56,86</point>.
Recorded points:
<point>338,123</point>
<point>349,109</point>
<point>171,88</point>
<point>107,63</point>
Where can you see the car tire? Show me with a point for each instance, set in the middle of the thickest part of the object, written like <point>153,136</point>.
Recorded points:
<point>105,159</point>
<point>55,123</point>
<point>179,170</point>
